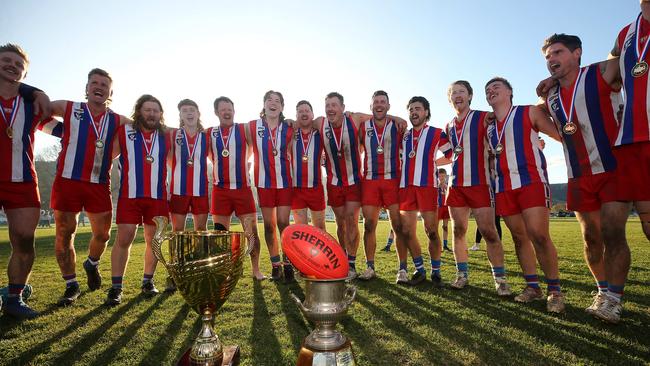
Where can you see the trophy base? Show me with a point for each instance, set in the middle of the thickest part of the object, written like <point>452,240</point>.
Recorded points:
<point>230,357</point>
<point>341,356</point>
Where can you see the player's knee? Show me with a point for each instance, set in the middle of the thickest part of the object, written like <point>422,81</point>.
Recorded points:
<point>102,237</point>
<point>613,236</point>
<point>432,235</point>
<point>369,225</point>
<point>460,229</point>
<point>539,239</point>
<point>269,227</point>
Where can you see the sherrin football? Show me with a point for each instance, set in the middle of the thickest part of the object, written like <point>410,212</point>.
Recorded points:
<point>314,252</point>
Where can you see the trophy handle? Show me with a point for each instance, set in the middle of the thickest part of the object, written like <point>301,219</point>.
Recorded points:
<point>350,294</point>
<point>159,238</point>
<point>299,303</point>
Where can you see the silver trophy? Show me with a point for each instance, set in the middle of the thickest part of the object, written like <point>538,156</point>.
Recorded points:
<point>326,302</point>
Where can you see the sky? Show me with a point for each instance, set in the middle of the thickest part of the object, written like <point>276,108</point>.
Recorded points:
<point>304,49</point>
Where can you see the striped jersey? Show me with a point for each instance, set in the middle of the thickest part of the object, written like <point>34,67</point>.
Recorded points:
<point>521,162</point>
<point>189,179</point>
<point>588,151</point>
<point>470,166</point>
<point>380,163</point>
<point>17,151</point>
<point>307,171</point>
<point>87,144</point>
<point>141,177</point>
<point>271,154</point>
<point>635,126</point>
<point>230,168</point>
<point>442,195</point>
<point>419,150</point>
<point>342,155</point>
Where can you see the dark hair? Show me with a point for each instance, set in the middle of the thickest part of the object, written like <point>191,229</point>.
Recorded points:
<point>304,102</point>
<point>504,81</point>
<point>424,102</point>
<point>191,103</point>
<point>266,96</point>
<point>136,116</point>
<point>464,83</point>
<point>11,47</point>
<point>100,72</point>
<point>571,42</point>
<point>380,92</point>
<point>335,95</point>
<point>222,99</point>
<point>442,170</point>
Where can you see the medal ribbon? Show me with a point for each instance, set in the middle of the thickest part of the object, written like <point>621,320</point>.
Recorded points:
<point>154,138</point>
<point>380,142</point>
<point>103,123</point>
<point>573,98</point>
<point>14,113</point>
<point>274,139</point>
<point>227,142</point>
<point>339,141</point>
<point>637,37</point>
<point>187,144</point>
<point>414,145</point>
<point>505,124</point>
<point>302,141</point>
<point>459,139</point>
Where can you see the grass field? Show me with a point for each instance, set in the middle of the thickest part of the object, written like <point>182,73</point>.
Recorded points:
<point>388,324</point>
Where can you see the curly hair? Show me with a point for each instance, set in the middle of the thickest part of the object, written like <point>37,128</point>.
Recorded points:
<point>138,119</point>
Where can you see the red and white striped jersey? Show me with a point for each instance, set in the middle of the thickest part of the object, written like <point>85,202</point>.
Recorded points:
<point>17,128</point>
<point>419,150</point>
<point>189,163</point>
<point>143,163</point>
<point>381,146</point>
<point>470,166</point>
<point>521,161</point>
<point>587,151</point>
<point>230,169</point>
<point>87,144</point>
<point>271,154</point>
<point>342,155</point>
<point>635,126</point>
<point>307,153</point>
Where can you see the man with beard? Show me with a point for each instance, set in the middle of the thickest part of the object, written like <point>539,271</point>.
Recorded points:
<point>469,187</point>
<point>522,192</point>
<point>231,188</point>
<point>308,190</point>
<point>82,180</point>
<point>143,147</point>
<point>418,189</point>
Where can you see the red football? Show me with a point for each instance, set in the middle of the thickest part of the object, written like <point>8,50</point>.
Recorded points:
<point>314,252</point>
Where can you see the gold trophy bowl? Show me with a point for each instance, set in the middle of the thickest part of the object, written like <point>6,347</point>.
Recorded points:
<point>205,265</point>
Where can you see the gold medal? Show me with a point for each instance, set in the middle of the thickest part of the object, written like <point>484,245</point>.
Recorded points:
<point>10,132</point>
<point>150,159</point>
<point>412,154</point>
<point>190,162</point>
<point>225,153</point>
<point>458,150</point>
<point>380,150</point>
<point>569,128</point>
<point>99,144</point>
<point>305,158</point>
<point>640,69</point>
<point>499,149</point>
<point>275,152</point>
<point>339,154</point>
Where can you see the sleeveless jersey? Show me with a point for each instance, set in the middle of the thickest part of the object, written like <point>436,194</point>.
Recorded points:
<point>420,169</point>
<point>229,171</point>
<point>307,174</point>
<point>385,165</point>
<point>343,170</point>
<point>272,170</point>
<point>189,180</point>
<point>470,167</point>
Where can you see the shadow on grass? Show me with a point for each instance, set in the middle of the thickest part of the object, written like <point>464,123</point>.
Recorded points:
<point>187,342</point>
<point>297,327</point>
<point>161,349</point>
<point>28,355</point>
<point>366,341</point>
<point>265,347</point>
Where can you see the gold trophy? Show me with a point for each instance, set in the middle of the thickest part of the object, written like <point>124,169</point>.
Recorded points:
<point>326,302</point>
<point>205,266</point>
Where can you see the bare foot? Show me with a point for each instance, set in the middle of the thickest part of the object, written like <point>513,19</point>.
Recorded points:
<point>259,276</point>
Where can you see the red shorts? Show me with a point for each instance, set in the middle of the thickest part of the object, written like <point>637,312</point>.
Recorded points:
<point>140,210</point>
<point>633,172</point>
<point>588,193</point>
<point>311,198</point>
<point>19,195</point>
<point>515,201</point>
<point>71,195</point>
<point>380,193</point>
<point>413,198</point>
<point>274,197</point>
<point>443,213</point>
<point>337,196</point>
<point>183,205</point>
<point>225,201</point>
<point>472,196</point>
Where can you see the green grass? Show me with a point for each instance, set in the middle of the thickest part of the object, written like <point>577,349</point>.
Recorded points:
<point>388,324</point>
